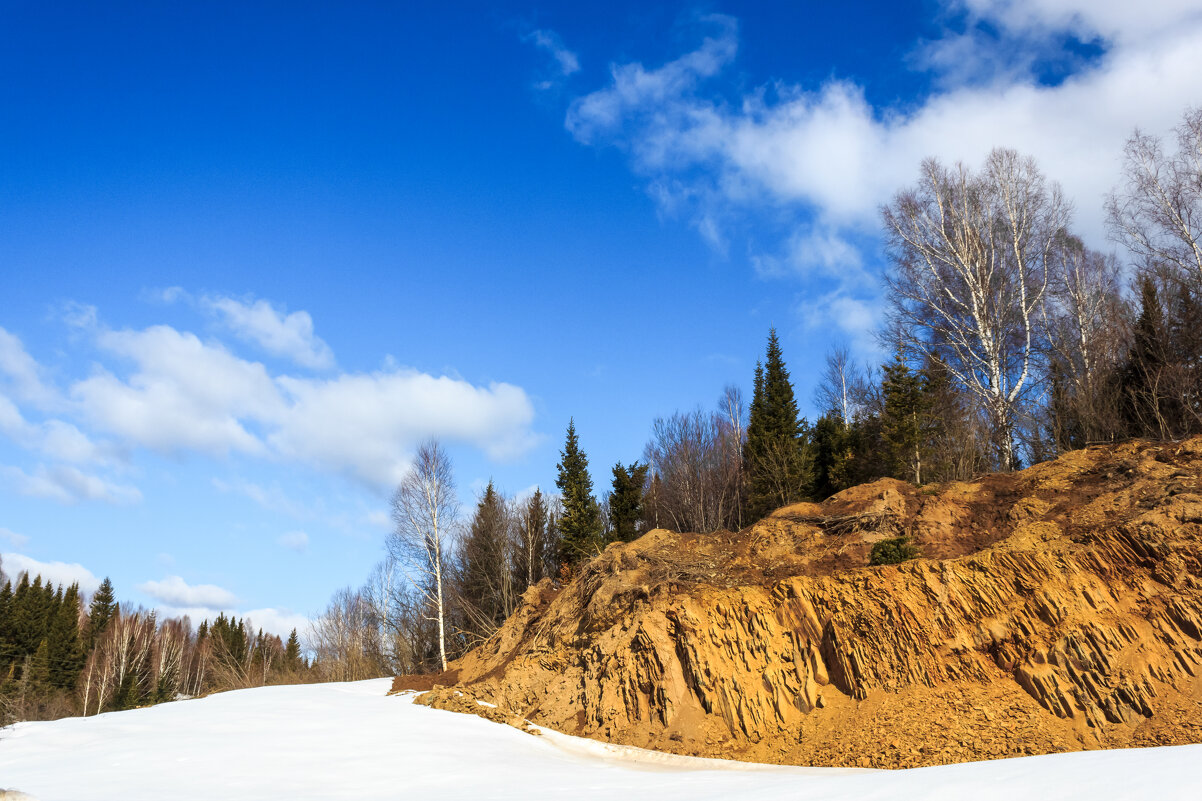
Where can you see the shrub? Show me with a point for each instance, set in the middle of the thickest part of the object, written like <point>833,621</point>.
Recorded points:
<point>892,551</point>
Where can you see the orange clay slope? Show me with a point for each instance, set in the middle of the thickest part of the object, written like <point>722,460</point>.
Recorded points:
<point>1054,609</point>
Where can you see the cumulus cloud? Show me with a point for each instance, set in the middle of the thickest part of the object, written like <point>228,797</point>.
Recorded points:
<point>176,592</point>
<point>829,154</point>
<point>363,424</point>
<point>57,572</point>
<point>170,391</point>
<point>275,331</point>
<point>294,540</point>
<point>185,394</point>
<point>68,485</point>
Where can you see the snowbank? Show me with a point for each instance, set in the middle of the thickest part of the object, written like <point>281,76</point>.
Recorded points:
<point>335,741</point>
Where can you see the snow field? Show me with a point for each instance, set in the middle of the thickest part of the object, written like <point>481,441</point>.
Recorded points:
<point>352,741</point>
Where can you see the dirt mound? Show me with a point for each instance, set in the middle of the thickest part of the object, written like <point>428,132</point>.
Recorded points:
<point>1059,608</point>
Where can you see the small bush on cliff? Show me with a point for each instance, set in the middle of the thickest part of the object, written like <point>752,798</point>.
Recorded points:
<point>892,551</point>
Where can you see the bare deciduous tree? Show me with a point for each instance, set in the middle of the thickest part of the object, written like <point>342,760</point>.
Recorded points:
<point>344,639</point>
<point>695,469</point>
<point>1157,214</point>
<point>970,258</point>
<point>425,510</point>
<point>841,384</point>
<point>1086,335</point>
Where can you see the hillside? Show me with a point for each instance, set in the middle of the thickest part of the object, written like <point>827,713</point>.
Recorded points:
<point>1054,609</point>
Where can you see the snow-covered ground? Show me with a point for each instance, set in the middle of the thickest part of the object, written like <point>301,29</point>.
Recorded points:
<point>351,741</point>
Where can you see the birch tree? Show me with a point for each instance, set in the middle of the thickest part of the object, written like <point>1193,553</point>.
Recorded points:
<point>424,510</point>
<point>969,268</point>
<point>1157,213</point>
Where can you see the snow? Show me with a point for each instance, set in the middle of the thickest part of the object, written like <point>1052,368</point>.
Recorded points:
<point>352,741</point>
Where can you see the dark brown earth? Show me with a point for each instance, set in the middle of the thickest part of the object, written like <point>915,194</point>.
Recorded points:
<point>1054,609</point>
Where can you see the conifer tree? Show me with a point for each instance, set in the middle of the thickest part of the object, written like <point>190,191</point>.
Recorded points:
<point>904,419</point>
<point>487,577</point>
<point>626,500</point>
<point>292,652</point>
<point>777,459</point>
<point>580,524</point>
<point>535,541</point>
<point>100,611</point>
<point>1146,364</point>
<point>65,647</point>
<point>832,455</point>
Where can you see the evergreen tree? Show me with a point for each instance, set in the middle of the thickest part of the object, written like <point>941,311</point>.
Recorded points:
<point>1144,402</point>
<point>292,654</point>
<point>580,524</point>
<point>100,612</point>
<point>626,500</point>
<point>833,455</point>
<point>777,458</point>
<point>904,420</point>
<point>486,564</point>
<point>66,653</point>
<point>536,548</point>
<point>6,644</point>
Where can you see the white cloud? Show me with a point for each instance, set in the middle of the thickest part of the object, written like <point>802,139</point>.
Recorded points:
<point>280,334</point>
<point>294,540</point>
<point>637,91</point>
<point>856,319</point>
<point>22,372</point>
<point>829,152</point>
<point>1110,19</point>
<point>57,572</point>
<point>365,425</point>
<point>270,619</point>
<point>278,621</point>
<point>170,391</point>
<point>566,62</point>
<point>68,485</point>
<point>185,394</point>
<point>14,539</point>
<point>176,592</point>
<point>55,439</point>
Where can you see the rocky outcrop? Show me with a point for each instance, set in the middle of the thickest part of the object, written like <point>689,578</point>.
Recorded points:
<point>1057,608</point>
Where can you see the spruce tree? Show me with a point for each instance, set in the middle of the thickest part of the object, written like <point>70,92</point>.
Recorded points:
<point>65,646</point>
<point>1145,366</point>
<point>626,500</point>
<point>486,564</point>
<point>777,459</point>
<point>832,455</point>
<point>904,420</point>
<point>292,652</point>
<point>100,612</point>
<point>535,549</point>
<point>580,524</point>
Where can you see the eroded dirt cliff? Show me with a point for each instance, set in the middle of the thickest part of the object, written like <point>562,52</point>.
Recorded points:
<point>1058,608</point>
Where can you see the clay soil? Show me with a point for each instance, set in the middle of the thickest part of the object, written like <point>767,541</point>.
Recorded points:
<point>1058,608</point>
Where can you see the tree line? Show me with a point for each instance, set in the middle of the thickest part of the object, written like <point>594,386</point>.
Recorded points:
<point>1009,341</point>
<point>60,656</point>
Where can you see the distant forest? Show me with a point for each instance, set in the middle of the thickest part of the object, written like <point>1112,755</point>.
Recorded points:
<point>62,657</point>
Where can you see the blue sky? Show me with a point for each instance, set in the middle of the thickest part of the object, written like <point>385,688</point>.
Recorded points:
<point>250,254</point>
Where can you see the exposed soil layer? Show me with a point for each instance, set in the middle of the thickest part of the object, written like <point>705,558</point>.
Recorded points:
<point>1054,609</point>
